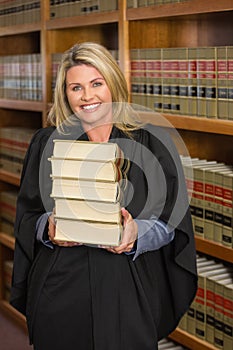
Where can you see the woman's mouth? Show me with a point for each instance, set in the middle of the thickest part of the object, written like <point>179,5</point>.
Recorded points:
<point>90,107</point>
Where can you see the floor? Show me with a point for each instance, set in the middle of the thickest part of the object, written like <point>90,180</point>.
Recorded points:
<point>12,336</point>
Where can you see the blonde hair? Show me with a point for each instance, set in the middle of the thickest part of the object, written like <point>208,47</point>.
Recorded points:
<point>99,57</point>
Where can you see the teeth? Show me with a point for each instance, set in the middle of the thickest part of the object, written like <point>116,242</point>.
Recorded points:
<point>90,106</point>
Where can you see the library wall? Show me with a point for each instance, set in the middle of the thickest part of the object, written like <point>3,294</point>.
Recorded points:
<point>177,57</point>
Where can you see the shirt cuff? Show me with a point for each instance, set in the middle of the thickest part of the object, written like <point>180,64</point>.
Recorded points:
<point>152,235</point>
<point>41,225</point>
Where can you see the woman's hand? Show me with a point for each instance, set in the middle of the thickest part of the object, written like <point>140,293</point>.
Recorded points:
<point>130,234</point>
<point>51,234</point>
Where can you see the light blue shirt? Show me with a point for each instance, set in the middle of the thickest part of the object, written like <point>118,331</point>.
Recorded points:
<point>152,235</point>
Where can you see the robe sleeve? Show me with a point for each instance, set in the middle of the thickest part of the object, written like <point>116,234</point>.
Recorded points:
<point>174,265</point>
<point>29,208</point>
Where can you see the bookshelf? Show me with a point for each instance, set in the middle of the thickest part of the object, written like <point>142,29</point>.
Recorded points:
<point>182,24</point>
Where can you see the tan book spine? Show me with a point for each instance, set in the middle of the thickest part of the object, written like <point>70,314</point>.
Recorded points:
<point>192,81</point>
<point>209,201</point>
<point>218,202</point>
<point>132,3</point>
<point>210,303</point>
<point>222,84</point>
<point>180,101</point>
<point>211,83</point>
<point>191,313</point>
<point>228,316</point>
<point>153,78</point>
<point>201,82</point>
<point>227,235</point>
<point>203,274</point>
<point>230,81</point>
<point>166,79</point>
<point>135,76</point>
<point>219,311</point>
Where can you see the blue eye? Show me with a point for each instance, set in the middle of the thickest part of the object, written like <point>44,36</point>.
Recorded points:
<point>76,88</point>
<point>98,83</point>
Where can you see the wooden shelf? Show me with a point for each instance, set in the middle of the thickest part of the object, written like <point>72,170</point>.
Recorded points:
<point>7,240</point>
<point>23,105</point>
<point>183,24</point>
<point>20,29</point>
<point>214,249</point>
<point>190,341</point>
<point>10,178</point>
<point>216,126</point>
<point>196,7</point>
<point>84,20</point>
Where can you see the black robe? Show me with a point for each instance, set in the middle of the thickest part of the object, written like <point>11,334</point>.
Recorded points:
<point>85,297</point>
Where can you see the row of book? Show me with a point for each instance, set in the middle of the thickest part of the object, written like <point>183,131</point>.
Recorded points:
<point>188,81</point>
<point>14,142</point>
<point>14,12</point>
<point>7,211</point>
<point>21,77</point>
<point>145,3</point>
<point>87,186</point>
<point>210,316</point>
<point>67,8</point>
<point>210,186</point>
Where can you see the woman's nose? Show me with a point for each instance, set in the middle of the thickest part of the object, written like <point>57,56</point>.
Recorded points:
<point>87,95</point>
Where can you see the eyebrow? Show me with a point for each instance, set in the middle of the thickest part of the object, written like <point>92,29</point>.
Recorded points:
<point>92,81</point>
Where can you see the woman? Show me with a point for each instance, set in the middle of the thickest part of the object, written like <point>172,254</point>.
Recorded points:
<point>128,297</point>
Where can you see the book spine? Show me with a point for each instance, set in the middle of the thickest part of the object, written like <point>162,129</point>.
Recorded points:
<point>211,83</point>
<point>228,317</point>
<point>230,81</point>
<point>219,309</point>
<point>222,83</point>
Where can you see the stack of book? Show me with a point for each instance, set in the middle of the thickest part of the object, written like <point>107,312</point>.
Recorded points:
<point>87,187</point>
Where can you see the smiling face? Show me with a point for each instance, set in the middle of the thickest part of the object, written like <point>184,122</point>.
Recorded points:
<point>89,96</point>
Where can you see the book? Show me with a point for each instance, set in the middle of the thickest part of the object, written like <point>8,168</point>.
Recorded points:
<point>230,81</point>
<point>89,150</point>
<point>88,232</point>
<point>203,274</point>
<point>227,230</point>
<point>219,311</point>
<point>228,316</point>
<point>209,180</point>
<point>210,302</point>
<point>191,313</point>
<point>88,160</point>
<point>88,170</point>
<point>222,83</point>
<point>90,190</point>
<point>88,210</point>
<point>218,202</point>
